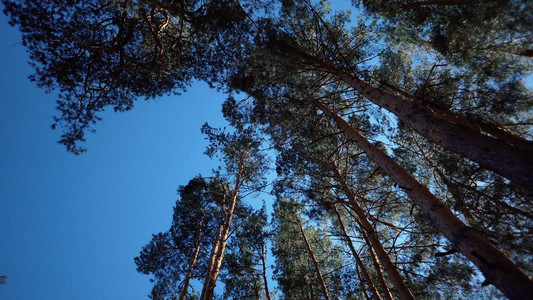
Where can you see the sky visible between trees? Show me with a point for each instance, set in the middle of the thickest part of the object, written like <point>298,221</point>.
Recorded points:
<point>73,224</point>
<point>392,159</point>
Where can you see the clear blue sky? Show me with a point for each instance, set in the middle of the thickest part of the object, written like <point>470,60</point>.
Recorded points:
<point>71,225</point>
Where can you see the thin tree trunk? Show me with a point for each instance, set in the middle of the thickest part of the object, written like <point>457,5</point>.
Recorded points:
<point>514,162</point>
<point>356,256</point>
<point>383,257</point>
<point>192,264</point>
<point>306,283</point>
<point>365,292</point>
<point>497,268</point>
<point>212,276</point>
<point>263,260</point>
<point>209,285</point>
<point>315,263</point>
<point>384,288</point>
<point>212,260</point>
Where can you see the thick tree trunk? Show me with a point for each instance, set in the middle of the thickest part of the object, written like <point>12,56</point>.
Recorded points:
<point>383,257</point>
<point>510,161</point>
<point>192,264</point>
<point>360,263</point>
<point>323,285</point>
<point>210,283</point>
<point>526,53</point>
<point>513,161</point>
<point>498,269</point>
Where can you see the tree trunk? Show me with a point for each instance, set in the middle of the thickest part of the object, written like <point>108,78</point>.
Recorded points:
<point>497,268</point>
<point>356,256</point>
<point>210,283</point>
<point>514,162</point>
<point>192,264</point>
<point>211,264</point>
<point>263,261</point>
<point>214,271</point>
<point>526,53</point>
<point>315,263</point>
<point>384,288</point>
<point>383,257</point>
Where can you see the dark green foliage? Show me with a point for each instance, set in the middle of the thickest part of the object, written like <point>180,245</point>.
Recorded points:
<point>492,37</point>
<point>294,271</point>
<point>168,255</point>
<point>243,278</point>
<point>109,53</point>
<point>461,61</point>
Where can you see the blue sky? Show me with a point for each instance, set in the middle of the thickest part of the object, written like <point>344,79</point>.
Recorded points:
<point>71,225</point>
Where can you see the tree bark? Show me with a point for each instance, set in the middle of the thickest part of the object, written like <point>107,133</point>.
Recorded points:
<point>498,269</point>
<point>214,271</point>
<point>315,263</point>
<point>263,261</point>
<point>211,264</point>
<point>512,161</point>
<point>383,257</point>
<point>210,283</point>
<point>384,288</point>
<point>357,258</point>
<point>192,264</point>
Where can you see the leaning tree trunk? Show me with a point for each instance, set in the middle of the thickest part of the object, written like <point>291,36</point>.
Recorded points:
<point>358,260</point>
<point>383,257</point>
<point>323,285</point>
<point>511,157</point>
<point>384,288</point>
<point>192,264</point>
<point>211,278</point>
<point>498,269</point>
<point>493,149</point>
<point>214,269</point>
<point>264,274</point>
<point>211,264</point>
<point>212,261</point>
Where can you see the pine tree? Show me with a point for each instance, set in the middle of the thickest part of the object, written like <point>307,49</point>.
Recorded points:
<point>307,263</point>
<point>179,255</point>
<point>455,152</point>
<point>244,271</point>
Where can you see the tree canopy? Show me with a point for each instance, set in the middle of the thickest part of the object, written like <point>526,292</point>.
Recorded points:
<point>401,130</point>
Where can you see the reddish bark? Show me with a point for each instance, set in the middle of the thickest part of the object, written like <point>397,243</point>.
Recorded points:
<point>383,257</point>
<point>222,237</point>
<point>323,285</point>
<point>497,268</point>
<point>192,264</point>
<point>360,264</point>
<point>513,161</point>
